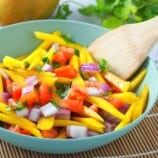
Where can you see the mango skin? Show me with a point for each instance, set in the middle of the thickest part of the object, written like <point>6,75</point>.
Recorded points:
<point>13,11</point>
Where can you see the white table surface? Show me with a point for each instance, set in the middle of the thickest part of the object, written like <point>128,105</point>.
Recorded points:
<point>77,16</point>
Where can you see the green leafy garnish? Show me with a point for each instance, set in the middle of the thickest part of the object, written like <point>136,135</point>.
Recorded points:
<point>38,68</point>
<point>45,60</point>
<point>113,13</point>
<point>56,65</point>
<point>63,11</point>
<point>27,64</point>
<point>103,64</point>
<point>77,52</point>
<point>62,89</point>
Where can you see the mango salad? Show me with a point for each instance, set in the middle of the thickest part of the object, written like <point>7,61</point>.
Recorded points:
<point>59,91</point>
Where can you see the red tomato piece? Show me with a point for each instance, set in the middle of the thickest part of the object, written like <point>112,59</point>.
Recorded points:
<point>52,133</point>
<point>30,99</point>
<point>45,93</point>
<point>73,105</point>
<point>66,71</point>
<point>16,91</point>
<point>118,103</point>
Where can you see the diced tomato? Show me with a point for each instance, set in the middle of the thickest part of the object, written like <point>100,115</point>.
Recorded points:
<point>118,103</point>
<point>52,133</point>
<point>76,95</point>
<point>14,128</point>
<point>94,108</point>
<point>59,57</point>
<point>66,71</point>
<point>62,57</point>
<point>25,132</point>
<point>30,99</point>
<point>73,105</point>
<point>17,129</point>
<point>16,91</point>
<point>81,90</point>
<point>45,93</point>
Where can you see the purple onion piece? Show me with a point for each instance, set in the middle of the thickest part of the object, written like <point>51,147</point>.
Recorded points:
<point>32,80</point>
<point>105,88</point>
<point>63,113</point>
<point>5,96</point>
<point>47,67</point>
<point>124,108</point>
<point>90,67</point>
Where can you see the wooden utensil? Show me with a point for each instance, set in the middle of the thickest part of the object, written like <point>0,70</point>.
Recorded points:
<point>125,48</point>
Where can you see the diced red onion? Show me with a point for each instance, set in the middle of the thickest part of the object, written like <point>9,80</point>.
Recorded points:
<point>92,79</point>
<point>48,109</point>
<point>104,87</point>
<point>124,108</point>
<point>32,80</point>
<point>47,67</point>
<point>74,131</point>
<point>109,126</point>
<point>22,112</point>
<point>93,91</point>
<point>55,46</point>
<point>63,113</point>
<point>27,89</point>
<point>5,96</point>
<point>34,114</point>
<point>90,67</point>
<point>92,133</point>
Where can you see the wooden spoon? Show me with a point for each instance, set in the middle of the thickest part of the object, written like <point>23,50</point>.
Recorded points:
<point>125,48</point>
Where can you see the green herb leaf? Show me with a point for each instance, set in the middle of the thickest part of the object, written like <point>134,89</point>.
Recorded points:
<point>77,52</point>
<point>103,64</point>
<point>63,12</point>
<point>113,13</point>
<point>56,65</point>
<point>38,68</point>
<point>27,64</point>
<point>62,89</point>
<point>45,60</point>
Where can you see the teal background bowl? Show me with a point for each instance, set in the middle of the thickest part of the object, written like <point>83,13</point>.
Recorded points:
<point>18,39</point>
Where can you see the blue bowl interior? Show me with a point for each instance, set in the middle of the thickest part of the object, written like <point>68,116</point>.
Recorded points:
<point>19,39</point>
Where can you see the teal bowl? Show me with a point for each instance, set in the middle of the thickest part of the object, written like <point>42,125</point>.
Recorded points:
<point>18,39</point>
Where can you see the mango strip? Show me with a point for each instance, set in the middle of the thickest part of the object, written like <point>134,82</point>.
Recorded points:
<point>3,109</point>
<point>74,61</point>
<point>45,123</point>
<point>10,120</point>
<point>1,83</point>
<point>106,106</point>
<point>117,81</point>
<point>47,80</point>
<point>90,113</point>
<point>127,97</point>
<point>83,56</point>
<point>11,62</point>
<point>135,82</point>
<point>128,116</point>
<point>141,104</point>
<point>63,123</point>
<point>15,77</point>
<point>91,123</point>
<point>64,80</point>
<point>62,134</point>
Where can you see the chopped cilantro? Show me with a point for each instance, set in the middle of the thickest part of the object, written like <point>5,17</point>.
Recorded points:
<point>63,11</point>
<point>38,68</point>
<point>62,89</point>
<point>56,65</point>
<point>27,64</point>
<point>77,52</point>
<point>45,60</point>
<point>103,64</point>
